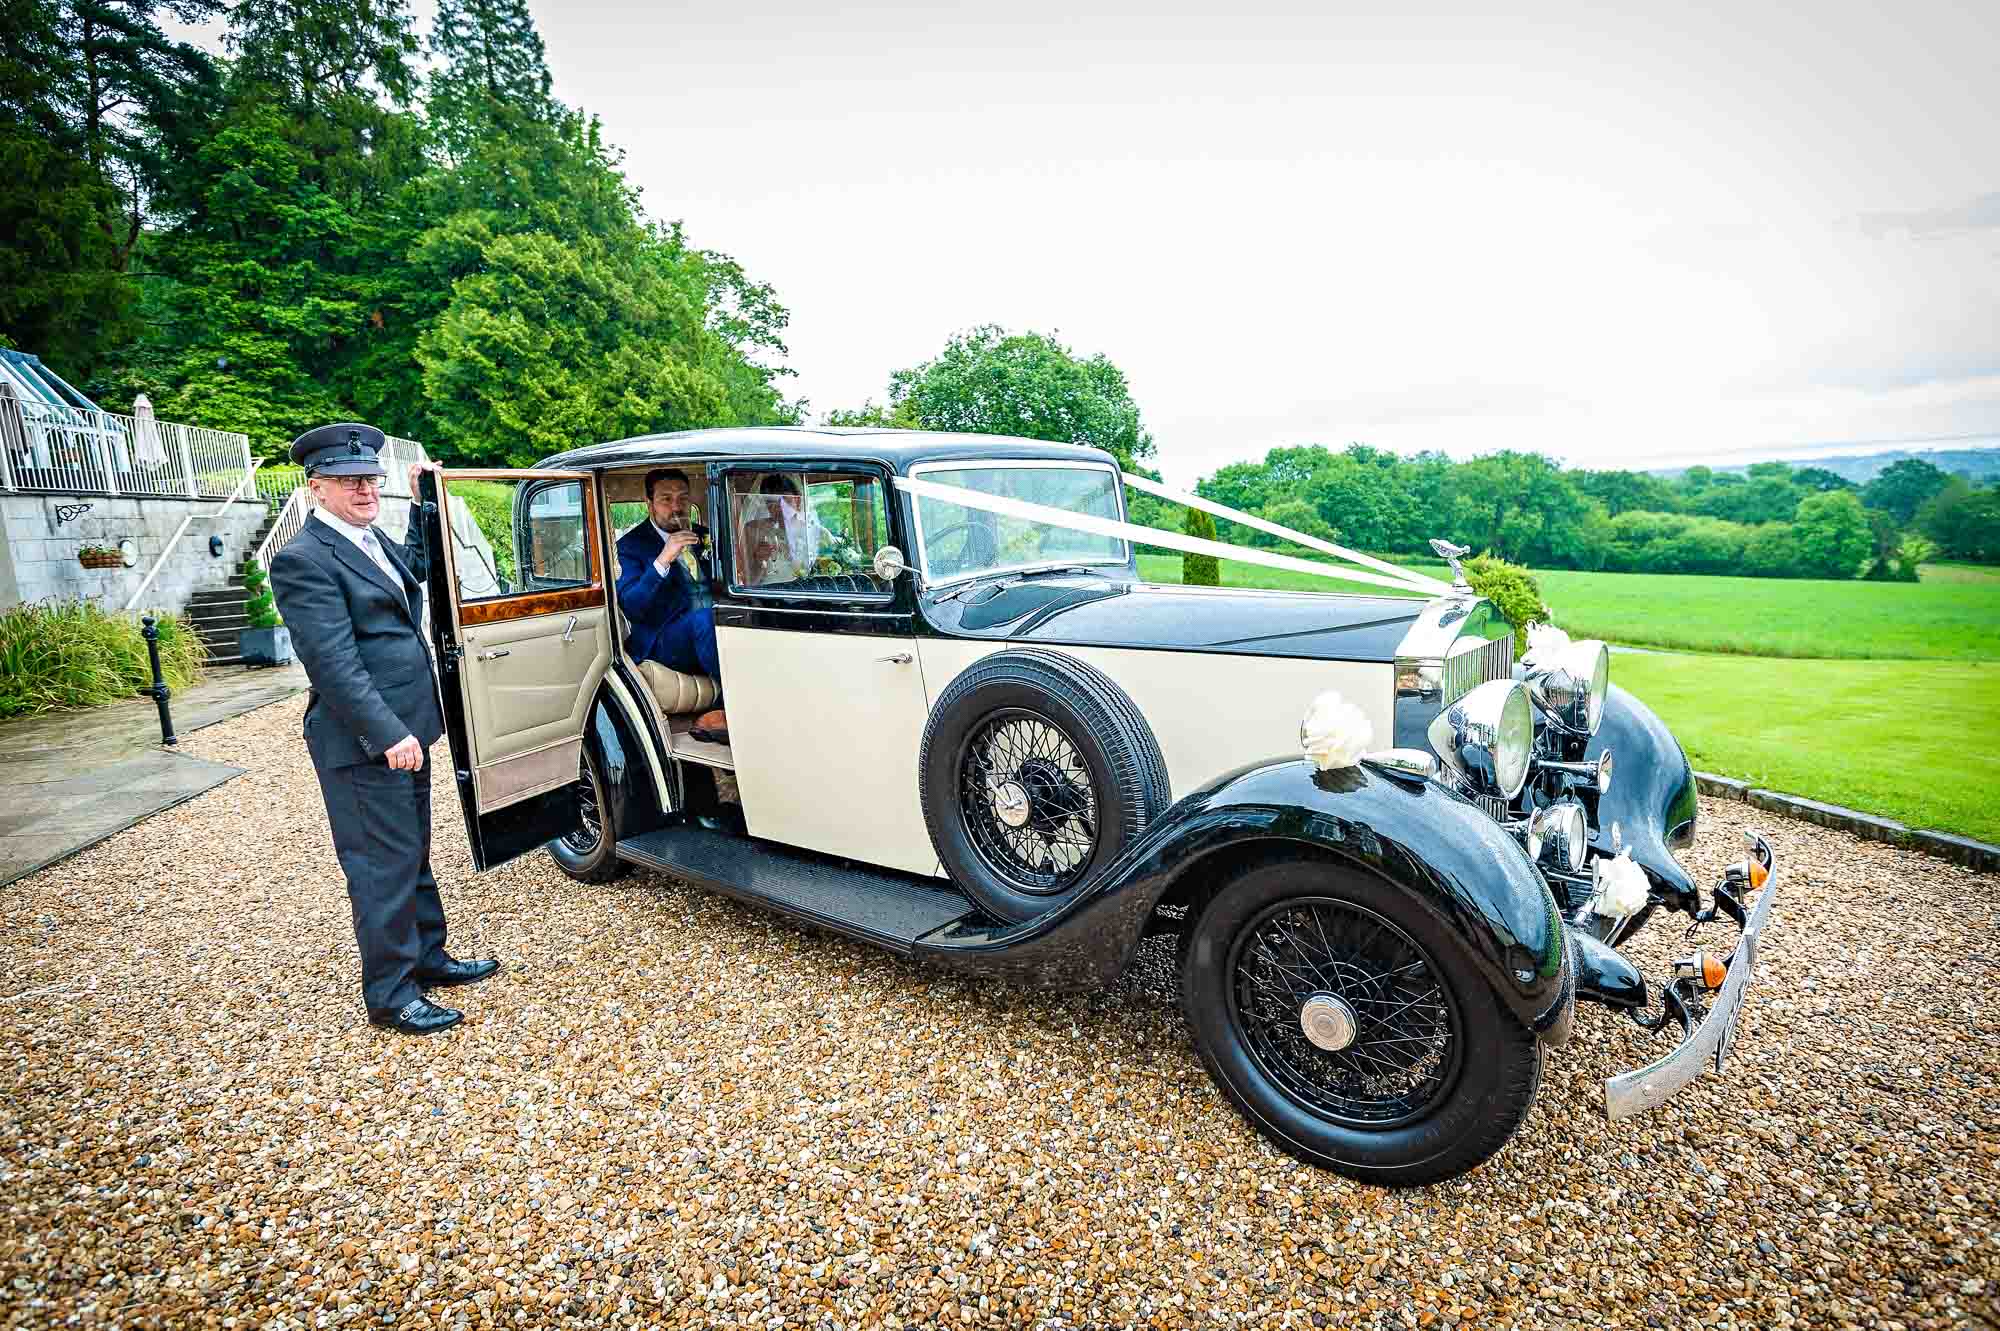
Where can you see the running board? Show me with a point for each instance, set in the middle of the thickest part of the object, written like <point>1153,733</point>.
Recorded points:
<point>879,906</point>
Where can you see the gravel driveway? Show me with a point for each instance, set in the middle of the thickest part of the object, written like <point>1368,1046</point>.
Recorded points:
<point>669,1108</point>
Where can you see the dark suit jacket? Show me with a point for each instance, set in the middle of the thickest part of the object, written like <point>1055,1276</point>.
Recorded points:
<point>361,643</point>
<point>649,602</point>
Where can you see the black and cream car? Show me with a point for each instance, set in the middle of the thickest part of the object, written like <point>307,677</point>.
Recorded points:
<point>961,727</point>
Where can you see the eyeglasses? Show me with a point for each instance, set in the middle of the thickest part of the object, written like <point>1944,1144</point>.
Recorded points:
<point>355,484</point>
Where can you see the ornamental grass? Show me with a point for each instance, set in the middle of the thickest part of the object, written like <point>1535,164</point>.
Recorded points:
<point>62,655</point>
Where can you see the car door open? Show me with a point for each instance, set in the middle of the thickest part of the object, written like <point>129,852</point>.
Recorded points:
<point>522,626</point>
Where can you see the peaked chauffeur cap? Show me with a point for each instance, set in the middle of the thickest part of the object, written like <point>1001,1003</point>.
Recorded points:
<point>348,448</point>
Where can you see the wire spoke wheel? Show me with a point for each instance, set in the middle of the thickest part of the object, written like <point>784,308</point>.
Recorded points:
<point>1029,803</point>
<point>1345,1012</point>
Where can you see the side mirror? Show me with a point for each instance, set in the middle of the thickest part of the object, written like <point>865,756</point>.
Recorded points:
<point>889,563</point>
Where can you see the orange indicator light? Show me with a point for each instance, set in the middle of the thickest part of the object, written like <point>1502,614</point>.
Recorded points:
<point>1758,872</point>
<point>1713,972</point>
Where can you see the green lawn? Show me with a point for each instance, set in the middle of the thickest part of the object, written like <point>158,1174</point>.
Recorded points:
<point>1156,567</point>
<point>1949,572</point>
<point>1953,616</point>
<point>1917,741</point>
<point>1953,620</point>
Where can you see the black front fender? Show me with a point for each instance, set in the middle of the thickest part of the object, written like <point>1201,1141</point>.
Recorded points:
<point>1415,838</point>
<point>1652,795</point>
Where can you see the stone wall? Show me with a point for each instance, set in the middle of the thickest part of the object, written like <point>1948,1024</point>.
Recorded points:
<point>39,559</point>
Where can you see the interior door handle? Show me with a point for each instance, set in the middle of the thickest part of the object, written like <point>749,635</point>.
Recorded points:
<point>900,658</point>
<point>569,631</point>
<point>495,654</point>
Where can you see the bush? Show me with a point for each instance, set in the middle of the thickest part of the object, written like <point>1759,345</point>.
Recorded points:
<point>1200,570</point>
<point>1772,551</point>
<point>57,655</point>
<point>261,607</point>
<point>1512,589</point>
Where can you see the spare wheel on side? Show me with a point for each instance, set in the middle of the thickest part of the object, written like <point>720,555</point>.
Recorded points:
<point>1036,773</point>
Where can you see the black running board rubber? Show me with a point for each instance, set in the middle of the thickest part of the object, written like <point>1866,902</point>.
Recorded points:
<point>880,906</point>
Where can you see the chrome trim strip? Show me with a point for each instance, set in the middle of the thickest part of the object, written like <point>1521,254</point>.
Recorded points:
<point>1649,1087</point>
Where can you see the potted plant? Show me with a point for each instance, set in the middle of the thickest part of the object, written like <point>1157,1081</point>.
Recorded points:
<point>266,640</point>
<point>100,556</point>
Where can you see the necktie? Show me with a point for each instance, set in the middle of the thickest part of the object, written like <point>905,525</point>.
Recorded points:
<point>373,546</point>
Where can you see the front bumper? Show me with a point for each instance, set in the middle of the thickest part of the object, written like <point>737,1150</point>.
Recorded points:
<point>1649,1087</point>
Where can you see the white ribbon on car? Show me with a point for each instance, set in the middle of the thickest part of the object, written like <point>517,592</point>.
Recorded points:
<point>1091,524</point>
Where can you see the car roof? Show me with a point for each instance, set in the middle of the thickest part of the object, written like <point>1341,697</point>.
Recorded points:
<point>897,449</point>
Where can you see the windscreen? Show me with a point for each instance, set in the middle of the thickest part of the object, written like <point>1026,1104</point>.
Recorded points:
<point>961,542</point>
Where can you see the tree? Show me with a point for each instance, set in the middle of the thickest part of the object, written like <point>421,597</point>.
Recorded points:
<point>1819,478</point>
<point>1200,570</point>
<point>1965,523</point>
<point>1296,514</point>
<point>1763,498</point>
<point>989,381</point>
<point>1518,506</point>
<point>308,51</point>
<point>489,47</point>
<point>1832,535</point>
<point>869,415</point>
<point>1620,491</point>
<point>127,77</point>
<point>1772,551</point>
<point>555,343</point>
<point>1904,487</point>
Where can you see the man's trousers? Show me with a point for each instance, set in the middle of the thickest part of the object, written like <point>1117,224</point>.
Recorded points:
<point>381,821</point>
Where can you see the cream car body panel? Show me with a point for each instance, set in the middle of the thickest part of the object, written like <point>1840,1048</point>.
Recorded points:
<point>825,731</point>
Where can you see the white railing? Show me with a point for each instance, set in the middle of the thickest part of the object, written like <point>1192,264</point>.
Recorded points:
<point>297,508</point>
<point>247,483</point>
<point>70,450</point>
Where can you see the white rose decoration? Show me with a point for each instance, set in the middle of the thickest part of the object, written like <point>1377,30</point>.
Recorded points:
<point>1622,888</point>
<point>1335,732</point>
<point>1544,638</point>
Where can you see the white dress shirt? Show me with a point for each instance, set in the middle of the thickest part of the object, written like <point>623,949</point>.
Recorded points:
<point>367,542</point>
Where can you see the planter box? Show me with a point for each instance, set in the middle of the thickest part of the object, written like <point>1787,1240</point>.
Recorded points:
<point>112,560</point>
<point>265,646</point>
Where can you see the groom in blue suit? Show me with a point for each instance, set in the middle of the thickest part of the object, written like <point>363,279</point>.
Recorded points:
<point>663,590</point>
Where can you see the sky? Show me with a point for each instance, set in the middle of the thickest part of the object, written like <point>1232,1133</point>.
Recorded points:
<point>1623,235</point>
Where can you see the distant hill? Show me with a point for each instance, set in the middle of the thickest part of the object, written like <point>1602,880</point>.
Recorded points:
<point>1980,465</point>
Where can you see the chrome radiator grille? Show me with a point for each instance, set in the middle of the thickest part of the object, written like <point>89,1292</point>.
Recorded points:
<point>1467,670</point>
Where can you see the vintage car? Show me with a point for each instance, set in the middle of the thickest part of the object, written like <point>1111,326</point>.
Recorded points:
<point>961,727</point>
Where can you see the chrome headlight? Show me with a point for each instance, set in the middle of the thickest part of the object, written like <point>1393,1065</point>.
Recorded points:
<point>1487,736</point>
<point>1559,834</point>
<point>1570,685</point>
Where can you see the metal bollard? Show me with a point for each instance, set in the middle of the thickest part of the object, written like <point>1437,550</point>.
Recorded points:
<point>159,693</point>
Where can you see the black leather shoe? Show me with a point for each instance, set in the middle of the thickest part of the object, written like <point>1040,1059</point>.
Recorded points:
<point>419,1016</point>
<point>456,972</point>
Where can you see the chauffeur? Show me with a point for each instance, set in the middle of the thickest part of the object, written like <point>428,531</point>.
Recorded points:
<point>354,604</point>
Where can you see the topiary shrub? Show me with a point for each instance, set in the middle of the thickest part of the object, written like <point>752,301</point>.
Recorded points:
<point>261,607</point>
<point>1513,590</point>
<point>1200,570</point>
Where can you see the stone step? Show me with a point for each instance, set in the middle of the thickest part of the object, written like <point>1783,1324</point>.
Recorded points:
<point>223,620</point>
<point>209,595</point>
<point>229,660</point>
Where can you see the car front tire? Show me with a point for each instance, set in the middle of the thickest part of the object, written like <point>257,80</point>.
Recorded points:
<point>1351,1026</point>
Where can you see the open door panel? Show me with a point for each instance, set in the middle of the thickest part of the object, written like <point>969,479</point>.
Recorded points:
<point>521,621</point>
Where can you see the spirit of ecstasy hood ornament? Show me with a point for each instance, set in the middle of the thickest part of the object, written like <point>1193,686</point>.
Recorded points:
<point>1451,554</point>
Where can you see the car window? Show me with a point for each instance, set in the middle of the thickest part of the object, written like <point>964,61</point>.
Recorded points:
<point>808,533</point>
<point>960,541</point>
<point>514,536</point>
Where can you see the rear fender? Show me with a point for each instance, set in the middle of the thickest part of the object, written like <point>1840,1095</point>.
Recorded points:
<point>1419,839</point>
<point>615,740</point>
